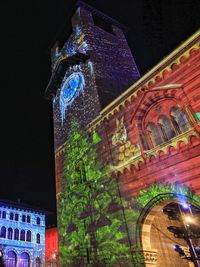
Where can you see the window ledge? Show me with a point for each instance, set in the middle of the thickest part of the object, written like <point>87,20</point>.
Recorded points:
<point>183,137</point>
<point>140,158</point>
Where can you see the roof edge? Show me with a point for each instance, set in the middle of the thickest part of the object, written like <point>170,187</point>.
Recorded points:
<point>158,67</point>
<point>102,15</point>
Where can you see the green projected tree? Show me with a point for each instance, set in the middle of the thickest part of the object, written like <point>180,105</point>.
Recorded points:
<point>90,216</point>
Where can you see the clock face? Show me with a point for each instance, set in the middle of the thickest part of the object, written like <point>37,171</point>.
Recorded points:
<point>71,88</point>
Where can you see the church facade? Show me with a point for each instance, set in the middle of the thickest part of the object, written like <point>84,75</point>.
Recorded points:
<point>148,127</point>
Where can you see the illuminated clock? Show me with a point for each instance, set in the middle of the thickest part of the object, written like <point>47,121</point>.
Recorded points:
<point>72,86</point>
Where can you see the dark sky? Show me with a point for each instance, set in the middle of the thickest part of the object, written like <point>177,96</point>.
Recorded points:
<point>28,29</point>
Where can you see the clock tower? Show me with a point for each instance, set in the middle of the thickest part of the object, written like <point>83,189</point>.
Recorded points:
<point>91,69</point>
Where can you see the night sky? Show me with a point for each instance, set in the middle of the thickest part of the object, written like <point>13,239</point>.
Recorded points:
<point>28,30</point>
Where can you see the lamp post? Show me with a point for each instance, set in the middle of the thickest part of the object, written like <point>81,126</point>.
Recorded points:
<point>183,213</point>
<point>186,220</point>
<point>53,259</point>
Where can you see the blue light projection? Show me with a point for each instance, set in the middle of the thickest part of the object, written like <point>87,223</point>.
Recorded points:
<point>75,44</point>
<point>71,87</point>
<point>77,31</point>
<point>70,47</point>
<point>19,232</point>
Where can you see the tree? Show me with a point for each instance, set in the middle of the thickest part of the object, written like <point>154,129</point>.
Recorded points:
<point>91,217</point>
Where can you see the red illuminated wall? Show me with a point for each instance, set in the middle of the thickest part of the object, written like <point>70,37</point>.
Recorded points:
<point>51,245</point>
<point>175,83</point>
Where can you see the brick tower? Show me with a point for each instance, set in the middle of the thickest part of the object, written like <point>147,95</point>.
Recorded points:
<point>92,68</point>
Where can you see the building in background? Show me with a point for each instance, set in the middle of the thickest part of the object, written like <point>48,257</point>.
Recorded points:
<point>51,248</point>
<point>149,129</point>
<point>22,235</point>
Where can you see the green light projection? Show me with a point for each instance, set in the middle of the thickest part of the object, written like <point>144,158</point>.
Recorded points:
<point>159,188</point>
<point>96,138</point>
<point>90,218</point>
<point>197,116</point>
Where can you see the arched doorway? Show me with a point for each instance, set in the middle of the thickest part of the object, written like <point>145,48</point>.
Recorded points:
<point>162,231</point>
<point>11,259</point>
<point>24,260</point>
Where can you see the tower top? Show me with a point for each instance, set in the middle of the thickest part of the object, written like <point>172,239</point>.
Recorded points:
<point>101,15</point>
<point>91,66</point>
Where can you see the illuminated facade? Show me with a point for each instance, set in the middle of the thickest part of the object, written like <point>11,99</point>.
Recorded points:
<point>148,133</point>
<point>51,252</point>
<point>22,235</point>
<point>153,132</point>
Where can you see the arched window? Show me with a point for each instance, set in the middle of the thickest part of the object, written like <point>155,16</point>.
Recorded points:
<point>16,234</point>
<point>38,238</point>
<point>180,120</point>
<point>154,134</point>
<point>144,142</point>
<point>16,217</point>
<point>38,220</point>
<point>24,260</point>
<point>11,216</point>
<point>28,219</point>
<point>38,262</point>
<point>10,233</point>
<point>4,214</point>
<point>166,127</point>
<point>23,218</point>
<point>3,232</point>
<point>11,259</point>
<point>22,235</point>
<point>28,236</point>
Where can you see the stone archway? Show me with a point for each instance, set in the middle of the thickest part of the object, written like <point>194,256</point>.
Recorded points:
<point>155,240</point>
<point>11,259</point>
<point>24,260</point>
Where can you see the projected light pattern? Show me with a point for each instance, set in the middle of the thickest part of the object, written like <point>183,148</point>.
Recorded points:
<point>70,48</point>
<point>72,86</point>
<point>22,236</point>
<point>74,44</point>
<point>77,31</point>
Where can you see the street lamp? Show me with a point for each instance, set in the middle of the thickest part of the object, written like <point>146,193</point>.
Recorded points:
<point>53,260</point>
<point>188,231</point>
<point>188,234</point>
<point>188,219</point>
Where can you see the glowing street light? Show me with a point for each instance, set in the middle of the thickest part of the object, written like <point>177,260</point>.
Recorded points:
<point>187,230</point>
<point>54,256</point>
<point>188,219</point>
